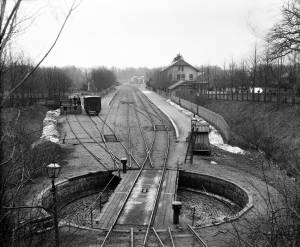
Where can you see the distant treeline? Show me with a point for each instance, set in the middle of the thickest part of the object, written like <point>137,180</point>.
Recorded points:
<point>124,75</point>
<point>53,82</point>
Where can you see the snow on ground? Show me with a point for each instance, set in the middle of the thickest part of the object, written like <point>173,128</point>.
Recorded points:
<point>215,137</point>
<point>50,132</point>
<point>146,91</point>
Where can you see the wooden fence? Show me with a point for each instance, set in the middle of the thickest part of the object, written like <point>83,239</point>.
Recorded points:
<point>268,97</point>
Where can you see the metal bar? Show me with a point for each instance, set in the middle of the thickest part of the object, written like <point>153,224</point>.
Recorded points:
<point>171,237</point>
<point>100,203</point>
<point>131,237</point>
<point>197,235</point>
<point>158,238</point>
<point>91,215</point>
<point>194,209</point>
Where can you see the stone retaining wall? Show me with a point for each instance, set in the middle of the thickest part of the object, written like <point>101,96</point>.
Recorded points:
<point>217,186</point>
<point>76,188</point>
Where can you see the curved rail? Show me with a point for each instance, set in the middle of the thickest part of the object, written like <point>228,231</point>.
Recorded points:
<point>84,146</point>
<point>126,150</point>
<point>148,149</point>
<point>99,144</point>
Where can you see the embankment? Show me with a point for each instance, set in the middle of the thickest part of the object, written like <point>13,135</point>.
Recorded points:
<point>271,128</point>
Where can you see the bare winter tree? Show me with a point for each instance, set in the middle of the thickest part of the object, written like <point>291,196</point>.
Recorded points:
<point>285,36</point>
<point>8,26</point>
<point>14,170</point>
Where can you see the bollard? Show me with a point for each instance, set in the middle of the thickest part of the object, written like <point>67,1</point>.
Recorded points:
<point>176,205</point>
<point>194,209</point>
<point>124,162</point>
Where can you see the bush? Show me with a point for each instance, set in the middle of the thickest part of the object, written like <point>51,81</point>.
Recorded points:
<point>42,154</point>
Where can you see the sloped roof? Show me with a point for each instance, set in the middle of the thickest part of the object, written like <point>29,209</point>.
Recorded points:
<point>176,84</point>
<point>180,62</point>
<point>186,82</point>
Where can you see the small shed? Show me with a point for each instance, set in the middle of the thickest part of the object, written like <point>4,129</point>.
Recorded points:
<point>201,140</point>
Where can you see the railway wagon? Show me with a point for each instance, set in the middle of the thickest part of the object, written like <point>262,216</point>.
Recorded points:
<point>92,104</point>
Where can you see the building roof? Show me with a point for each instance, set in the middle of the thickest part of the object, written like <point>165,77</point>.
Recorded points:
<point>176,84</point>
<point>180,62</point>
<point>182,82</point>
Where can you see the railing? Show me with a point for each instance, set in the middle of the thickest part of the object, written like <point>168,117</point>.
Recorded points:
<point>213,118</point>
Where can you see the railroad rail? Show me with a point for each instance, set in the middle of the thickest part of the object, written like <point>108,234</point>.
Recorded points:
<point>105,147</point>
<point>84,146</point>
<point>158,191</point>
<point>148,148</point>
<point>117,136</point>
<point>196,235</point>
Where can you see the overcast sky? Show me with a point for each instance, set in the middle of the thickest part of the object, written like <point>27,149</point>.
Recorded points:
<point>148,33</point>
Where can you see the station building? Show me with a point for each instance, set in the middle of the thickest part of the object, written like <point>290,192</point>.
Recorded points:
<point>182,77</point>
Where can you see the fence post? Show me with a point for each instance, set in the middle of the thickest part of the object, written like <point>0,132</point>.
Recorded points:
<point>91,214</point>
<point>194,209</point>
<point>100,203</point>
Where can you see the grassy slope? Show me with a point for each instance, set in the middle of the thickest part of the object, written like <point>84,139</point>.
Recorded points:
<point>276,130</point>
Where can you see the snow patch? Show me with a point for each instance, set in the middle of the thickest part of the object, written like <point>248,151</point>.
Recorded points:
<point>215,137</point>
<point>50,132</point>
<point>146,91</point>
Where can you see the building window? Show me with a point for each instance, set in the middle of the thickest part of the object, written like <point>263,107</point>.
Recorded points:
<point>178,77</point>
<point>183,76</point>
<point>180,67</point>
<point>191,77</point>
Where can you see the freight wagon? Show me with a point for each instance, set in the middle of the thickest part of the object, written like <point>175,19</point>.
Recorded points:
<point>92,104</point>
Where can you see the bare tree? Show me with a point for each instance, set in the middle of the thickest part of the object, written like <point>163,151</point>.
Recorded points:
<point>285,36</point>
<point>13,167</point>
<point>8,25</point>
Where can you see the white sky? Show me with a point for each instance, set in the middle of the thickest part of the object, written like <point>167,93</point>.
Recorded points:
<point>149,33</point>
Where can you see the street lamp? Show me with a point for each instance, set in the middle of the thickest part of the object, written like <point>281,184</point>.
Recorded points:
<point>53,171</point>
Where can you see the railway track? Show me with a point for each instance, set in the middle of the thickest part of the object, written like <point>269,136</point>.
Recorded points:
<point>102,146</point>
<point>145,112</point>
<point>149,225</point>
<point>128,152</point>
<point>85,146</point>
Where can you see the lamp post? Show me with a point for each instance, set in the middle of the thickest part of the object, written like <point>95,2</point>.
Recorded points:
<point>53,171</point>
<point>124,162</point>
<point>193,123</point>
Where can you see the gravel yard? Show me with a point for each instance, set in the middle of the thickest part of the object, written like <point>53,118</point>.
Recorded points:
<point>207,208</point>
